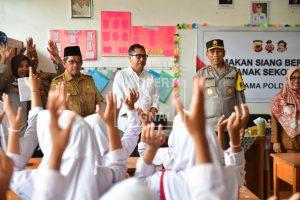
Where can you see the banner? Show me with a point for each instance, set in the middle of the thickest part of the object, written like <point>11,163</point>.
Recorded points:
<point>262,55</point>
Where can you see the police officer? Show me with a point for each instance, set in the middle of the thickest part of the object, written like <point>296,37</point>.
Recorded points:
<point>224,86</point>
<point>83,94</point>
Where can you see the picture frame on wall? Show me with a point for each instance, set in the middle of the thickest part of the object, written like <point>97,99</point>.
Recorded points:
<point>225,2</point>
<point>260,12</point>
<point>294,3</point>
<point>81,8</point>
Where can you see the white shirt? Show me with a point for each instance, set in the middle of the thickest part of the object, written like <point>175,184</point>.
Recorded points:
<point>129,139</point>
<point>144,84</point>
<point>259,18</point>
<point>80,166</point>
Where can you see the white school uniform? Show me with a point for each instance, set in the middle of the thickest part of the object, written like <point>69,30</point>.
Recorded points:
<point>144,84</point>
<point>82,177</point>
<point>128,189</point>
<point>176,181</point>
<point>129,139</point>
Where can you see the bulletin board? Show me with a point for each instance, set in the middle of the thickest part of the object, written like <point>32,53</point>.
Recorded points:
<point>85,39</point>
<point>115,33</point>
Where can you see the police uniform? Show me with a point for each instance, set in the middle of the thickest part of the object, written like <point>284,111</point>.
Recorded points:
<point>224,88</point>
<point>83,94</point>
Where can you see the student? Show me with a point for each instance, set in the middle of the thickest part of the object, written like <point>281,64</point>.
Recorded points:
<point>176,186</point>
<point>80,164</point>
<point>130,136</point>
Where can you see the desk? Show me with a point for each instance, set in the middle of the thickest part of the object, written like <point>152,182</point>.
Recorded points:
<point>255,167</point>
<point>246,194</point>
<point>286,166</point>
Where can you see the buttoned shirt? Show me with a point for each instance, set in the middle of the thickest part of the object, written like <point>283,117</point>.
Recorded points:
<point>144,84</point>
<point>83,94</point>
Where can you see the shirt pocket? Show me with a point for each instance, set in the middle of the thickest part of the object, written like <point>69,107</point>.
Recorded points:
<point>210,89</point>
<point>228,89</point>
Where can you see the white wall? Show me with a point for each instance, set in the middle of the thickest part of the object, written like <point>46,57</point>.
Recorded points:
<point>20,19</point>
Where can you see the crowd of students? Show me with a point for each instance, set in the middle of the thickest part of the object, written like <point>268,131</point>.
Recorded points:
<point>85,158</point>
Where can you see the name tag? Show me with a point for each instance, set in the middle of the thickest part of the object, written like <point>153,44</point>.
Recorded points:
<point>210,83</point>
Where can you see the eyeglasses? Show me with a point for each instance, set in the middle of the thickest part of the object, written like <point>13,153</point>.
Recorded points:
<point>139,56</point>
<point>293,78</point>
<point>72,62</point>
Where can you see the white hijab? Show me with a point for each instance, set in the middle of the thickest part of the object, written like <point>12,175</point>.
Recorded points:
<point>175,182</point>
<point>79,161</point>
<point>128,189</point>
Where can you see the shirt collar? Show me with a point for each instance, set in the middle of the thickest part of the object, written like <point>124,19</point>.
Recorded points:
<point>68,77</point>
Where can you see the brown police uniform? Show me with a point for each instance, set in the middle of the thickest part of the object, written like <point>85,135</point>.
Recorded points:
<point>83,93</point>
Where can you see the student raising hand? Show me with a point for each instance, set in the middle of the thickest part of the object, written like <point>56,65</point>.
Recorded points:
<point>154,141</point>
<point>131,99</point>
<point>195,120</point>
<point>222,123</point>
<point>4,53</point>
<point>60,137</point>
<point>235,123</point>
<point>109,117</point>
<point>6,170</point>
<point>15,123</point>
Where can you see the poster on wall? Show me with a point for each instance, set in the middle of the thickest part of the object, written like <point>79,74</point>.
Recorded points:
<point>158,40</point>
<point>115,33</point>
<point>262,55</point>
<point>85,39</point>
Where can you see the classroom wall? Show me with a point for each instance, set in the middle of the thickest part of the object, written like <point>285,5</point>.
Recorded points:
<point>24,18</point>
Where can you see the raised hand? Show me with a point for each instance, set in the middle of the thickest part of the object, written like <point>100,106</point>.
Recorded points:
<point>131,99</point>
<point>60,136</point>
<point>63,95</point>
<point>15,120</point>
<point>4,53</point>
<point>154,140</point>
<point>195,120</point>
<point>235,123</point>
<point>52,49</point>
<point>245,115</point>
<point>6,170</point>
<point>109,116</point>
<point>222,123</point>
<point>31,48</point>
<point>33,82</point>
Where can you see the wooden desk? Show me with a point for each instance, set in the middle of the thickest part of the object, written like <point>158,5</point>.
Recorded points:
<point>286,166</point>
<point>246,194</point>
<point>255,167</point>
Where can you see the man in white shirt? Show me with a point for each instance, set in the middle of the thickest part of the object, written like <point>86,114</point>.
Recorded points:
<point>138,79</point>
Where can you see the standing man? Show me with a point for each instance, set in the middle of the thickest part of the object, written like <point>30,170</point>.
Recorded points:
<point>83,94</point>
<point>137,78</point>
<point>224,86</point>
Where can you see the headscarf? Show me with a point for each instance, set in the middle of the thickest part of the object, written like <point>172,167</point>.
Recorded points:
<point>128,189</point>
<point>79,162</point>
<point>286,106</point>
<point>175,182</point>
<point>16,62</point>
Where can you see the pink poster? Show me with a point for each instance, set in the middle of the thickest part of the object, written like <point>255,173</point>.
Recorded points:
<point>158,40</point>
<point>115,33</point>
<point>85,39</point>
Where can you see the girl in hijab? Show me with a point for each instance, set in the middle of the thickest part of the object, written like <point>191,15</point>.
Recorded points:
<point>175,183</point>
<point>80,175</point>
<point>285,115</point>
